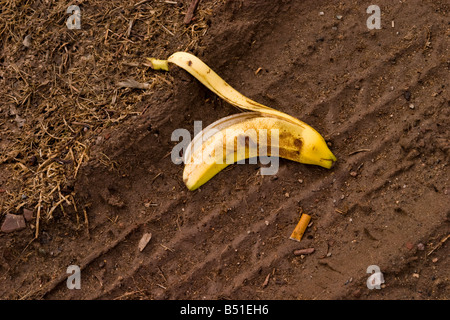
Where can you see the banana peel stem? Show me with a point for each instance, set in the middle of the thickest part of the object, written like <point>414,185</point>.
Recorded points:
<point>158,64</point>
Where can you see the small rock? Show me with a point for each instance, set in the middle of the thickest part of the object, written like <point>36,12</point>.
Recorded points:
<point>416,275</point>
<point>353,173</point>
<point>334,28</point>
<point>28,214</point>
<point>407,95</point>
<point>411,106</point>
<point>321,13</point>
<point>434,260</point>
<point>339,17</point>
<point>357,293</point>
<point>27,41</point>
<point>12,223</point>
<point>420,246</point>
<point>409,245</point>
<point>300,180</point>
<point>286,194</point>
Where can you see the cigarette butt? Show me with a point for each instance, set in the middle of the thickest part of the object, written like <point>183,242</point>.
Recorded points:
<point>299,230</point>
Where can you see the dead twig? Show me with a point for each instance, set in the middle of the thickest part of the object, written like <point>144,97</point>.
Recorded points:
<point>190,12</point>
<point>358,151</point>
<point>439,244</point>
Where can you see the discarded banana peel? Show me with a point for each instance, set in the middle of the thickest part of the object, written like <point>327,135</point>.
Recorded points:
<point>247,135</point>
<point>300,229</point>
<point>297,140</point>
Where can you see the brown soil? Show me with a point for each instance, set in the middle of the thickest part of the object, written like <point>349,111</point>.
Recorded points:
<point>383,93</point>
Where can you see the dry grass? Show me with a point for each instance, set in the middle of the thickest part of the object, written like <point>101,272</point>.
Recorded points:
<point>59,89</point>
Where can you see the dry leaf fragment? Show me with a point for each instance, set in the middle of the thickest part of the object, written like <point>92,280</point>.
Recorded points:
<point>130,83</point>
<point>144,241</point>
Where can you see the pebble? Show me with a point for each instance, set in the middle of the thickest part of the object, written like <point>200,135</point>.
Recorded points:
<point>13,223</point>
<point>27,41</point>
<point>411,106</point>
<point>286,194</point>
<point>416,275</point>
<point>339,17</point>
<point>407,95</point>
<point>300,180</point>
<point>357,293</point>
<point>353,173</point>
<point>28,214</point>
<point>321,13</point>
<point>420,246</point>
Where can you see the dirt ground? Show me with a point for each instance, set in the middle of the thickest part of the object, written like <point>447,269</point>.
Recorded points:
<point>379,97</point>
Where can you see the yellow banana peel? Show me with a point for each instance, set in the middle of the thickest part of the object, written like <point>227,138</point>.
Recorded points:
<point>244,135</point>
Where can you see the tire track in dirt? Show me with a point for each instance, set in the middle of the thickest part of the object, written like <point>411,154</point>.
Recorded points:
<point>200,269</point>
<point>242,237</point>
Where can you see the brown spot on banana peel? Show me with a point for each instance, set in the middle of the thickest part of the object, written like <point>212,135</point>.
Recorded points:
<point>298,143</point>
